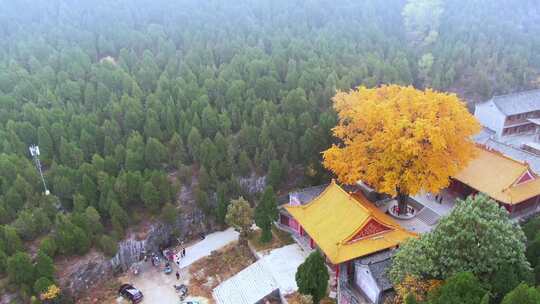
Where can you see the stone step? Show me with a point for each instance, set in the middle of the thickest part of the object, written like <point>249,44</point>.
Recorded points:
<point>428,216</point>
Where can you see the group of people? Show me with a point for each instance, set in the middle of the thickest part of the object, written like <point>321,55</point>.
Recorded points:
<point>169,256</point>
<point>154,258</point>
<point>396,210</point>
<point>182,253</point>
<point>438,197</point>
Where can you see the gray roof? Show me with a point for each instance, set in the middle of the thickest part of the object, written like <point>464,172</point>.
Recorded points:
<point>515,153</point>
<point>516,103</point>
<point>483,136</point>
<point>306,195</point>
<point>379,263</point>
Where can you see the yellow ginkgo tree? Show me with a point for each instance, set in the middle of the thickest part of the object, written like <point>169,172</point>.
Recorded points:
<point>400,140</point>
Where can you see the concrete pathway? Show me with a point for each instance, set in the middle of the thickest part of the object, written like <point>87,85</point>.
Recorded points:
<point>211,242</point>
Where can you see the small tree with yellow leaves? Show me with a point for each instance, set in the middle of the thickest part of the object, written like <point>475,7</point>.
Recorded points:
<point>400,140</point>
<point>51,294</point>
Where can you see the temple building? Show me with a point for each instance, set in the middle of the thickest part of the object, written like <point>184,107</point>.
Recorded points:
<point>356,238</point>
<point>509,182</point>
<point>511,115</point>
<point>511,125</point>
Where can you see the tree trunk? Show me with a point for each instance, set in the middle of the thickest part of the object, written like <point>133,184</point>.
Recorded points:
<point>243,238</point>
<point>402,199</point>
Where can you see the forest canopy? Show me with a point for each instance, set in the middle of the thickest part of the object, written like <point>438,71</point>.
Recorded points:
<point>117,94</point>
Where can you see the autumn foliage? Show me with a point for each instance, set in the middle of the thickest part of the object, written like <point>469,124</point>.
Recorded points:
<point>418,288</point>
<point>400,140</point>
<point>51,293</point>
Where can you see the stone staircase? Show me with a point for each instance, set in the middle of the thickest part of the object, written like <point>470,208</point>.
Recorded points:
<point>428,216</point>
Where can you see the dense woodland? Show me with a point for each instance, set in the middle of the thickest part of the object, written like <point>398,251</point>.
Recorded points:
<point>118,94</point>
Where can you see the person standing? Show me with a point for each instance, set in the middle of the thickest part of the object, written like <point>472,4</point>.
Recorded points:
<point>183,251</point>
<point>177,276</point>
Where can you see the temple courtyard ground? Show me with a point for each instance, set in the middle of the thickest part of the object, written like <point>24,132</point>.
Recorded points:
<point>157,286</point>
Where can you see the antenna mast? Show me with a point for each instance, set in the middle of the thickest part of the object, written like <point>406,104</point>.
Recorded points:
<point>34,151</point>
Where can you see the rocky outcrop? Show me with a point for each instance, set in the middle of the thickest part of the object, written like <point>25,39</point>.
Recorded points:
<point>79,276</point>
<point>253,184</point>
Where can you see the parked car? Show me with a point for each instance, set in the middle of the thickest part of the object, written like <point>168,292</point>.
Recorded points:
<point>131,293</point>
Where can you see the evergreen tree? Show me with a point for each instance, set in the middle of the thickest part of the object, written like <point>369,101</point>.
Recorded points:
<point>70,239</point>
<point>88,144</point>
<point>204,179</point>
<point>208,154</point>
<point>94,221</point>
<point>154,153</point>
<point>169,214</point>
<point>194,141</point>
<point>135,152</point>
<point>128,187</point>
<point>89,190</point>
<point>46,147</point>
<point>108,245</point>
<point>3,262</point>
<point>48,246</point>
<point>275,175</point>
<point>79,203</point>
<point>177,150</point>
<point>266,213</point>
<point>44,266</point>
<point>209,121</point>
<point>98,162</point>
<point>10,240</point>
<point>244,164</point>
<point>119,218</point>
<point>506,278</point>
<point>20,269</point>
<point>312,277</point>
<point>70,155</point>
<point>461,288</point>
<point>42,284</point>
<point>151,127</point>
<point>150,196</point>
<point>222,203</point>
<point>202,200</point>
<point>523,294</point>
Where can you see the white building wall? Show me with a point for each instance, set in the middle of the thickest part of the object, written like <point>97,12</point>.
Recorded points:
<point>489,116</point>
<point>365,281</point>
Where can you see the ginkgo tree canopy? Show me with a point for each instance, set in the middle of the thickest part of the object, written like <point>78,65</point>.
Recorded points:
<point>400,140</point>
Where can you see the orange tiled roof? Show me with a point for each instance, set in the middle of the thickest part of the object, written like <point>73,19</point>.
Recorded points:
<point>339,223</point>
<point>496,175</point>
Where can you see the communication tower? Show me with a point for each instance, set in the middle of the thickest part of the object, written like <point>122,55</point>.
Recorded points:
<point>34,152</point>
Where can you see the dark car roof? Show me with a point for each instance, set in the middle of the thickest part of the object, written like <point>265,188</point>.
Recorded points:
<point>128,288</point>
<point>125,286</point>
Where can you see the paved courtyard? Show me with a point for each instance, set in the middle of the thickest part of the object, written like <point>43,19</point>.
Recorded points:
<point>157,286</point>
<point>431,211</point>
